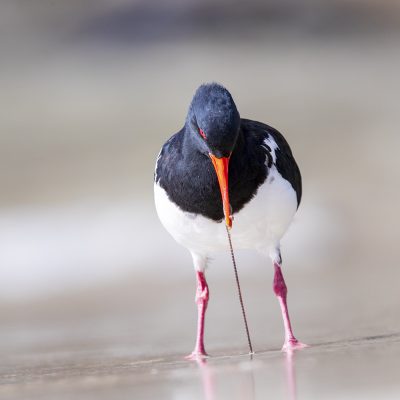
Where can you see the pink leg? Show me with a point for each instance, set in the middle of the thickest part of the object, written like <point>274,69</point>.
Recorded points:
<point>280,290</point>
<point>201,301</point>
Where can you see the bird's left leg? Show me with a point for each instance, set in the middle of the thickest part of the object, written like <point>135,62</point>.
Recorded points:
<point>202,295</point>
<point>280,290</point>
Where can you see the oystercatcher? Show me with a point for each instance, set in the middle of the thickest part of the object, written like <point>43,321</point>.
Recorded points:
<point>196,198</point>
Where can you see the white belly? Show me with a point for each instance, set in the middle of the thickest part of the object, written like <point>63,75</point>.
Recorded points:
<point>259,225</point>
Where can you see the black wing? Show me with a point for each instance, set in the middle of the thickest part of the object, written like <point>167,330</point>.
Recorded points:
<point>285,162</point>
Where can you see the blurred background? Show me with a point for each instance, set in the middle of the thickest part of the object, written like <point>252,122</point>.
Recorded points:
<point>90,90</point>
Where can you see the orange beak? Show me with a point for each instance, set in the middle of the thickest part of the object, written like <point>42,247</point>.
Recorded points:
<point>221,169</point>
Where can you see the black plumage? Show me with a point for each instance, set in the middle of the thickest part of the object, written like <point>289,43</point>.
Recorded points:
<point>184,169</point>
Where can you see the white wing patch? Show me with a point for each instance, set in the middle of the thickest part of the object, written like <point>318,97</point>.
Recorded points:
<point>270,142</point>
<point>158,159</point>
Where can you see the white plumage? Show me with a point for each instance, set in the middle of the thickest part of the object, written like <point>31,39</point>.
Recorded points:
<point>259,225</point>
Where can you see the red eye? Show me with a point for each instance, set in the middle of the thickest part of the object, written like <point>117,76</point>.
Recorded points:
<point>203,134</point>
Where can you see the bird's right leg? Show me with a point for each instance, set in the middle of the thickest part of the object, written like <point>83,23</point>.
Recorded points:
<point>202,295</point>
<point>280,291</point>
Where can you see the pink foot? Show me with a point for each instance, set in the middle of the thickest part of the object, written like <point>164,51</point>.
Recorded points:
<point>293,344</point>
<point>197,355</point>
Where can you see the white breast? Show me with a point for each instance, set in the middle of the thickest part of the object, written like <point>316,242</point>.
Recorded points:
<point>259,225</point>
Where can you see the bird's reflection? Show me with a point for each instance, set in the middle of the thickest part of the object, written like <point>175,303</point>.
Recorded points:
<point>246,390</point>
<point>207,379</point>
<point>247,378</point>
<point>291,374</point>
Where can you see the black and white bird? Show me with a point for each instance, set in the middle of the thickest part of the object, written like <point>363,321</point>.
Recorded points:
<point>221,170</point>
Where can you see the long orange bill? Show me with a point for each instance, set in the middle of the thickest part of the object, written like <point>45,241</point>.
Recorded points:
<point>221,168</point>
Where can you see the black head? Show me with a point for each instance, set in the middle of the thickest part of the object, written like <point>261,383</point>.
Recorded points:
<point>213,121</point>
<point>212,128</point>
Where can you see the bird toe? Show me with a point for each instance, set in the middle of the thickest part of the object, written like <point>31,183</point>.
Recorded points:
<point>293,344</point>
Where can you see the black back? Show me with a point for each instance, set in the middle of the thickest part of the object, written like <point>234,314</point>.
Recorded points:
<point>190,181</point>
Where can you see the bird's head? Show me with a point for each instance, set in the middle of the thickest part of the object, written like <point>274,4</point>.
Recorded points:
<point>213,123</point>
